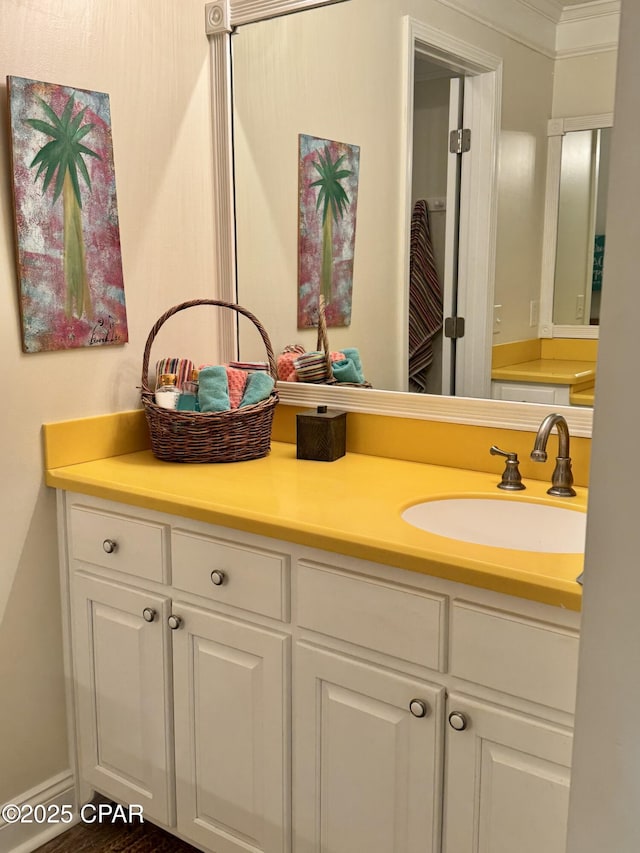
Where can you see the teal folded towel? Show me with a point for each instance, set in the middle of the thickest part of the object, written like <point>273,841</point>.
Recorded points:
<point>349,368</point>
<point>353,354</point>
<point>259,386</point>
<point>213,390</point>
<point>345,370</point>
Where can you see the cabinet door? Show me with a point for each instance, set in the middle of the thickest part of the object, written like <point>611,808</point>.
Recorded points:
<point>530,392</point>
<point>367,769</point>
<point>231,713</point>
<point>122,693</point>
<point>507,781</point>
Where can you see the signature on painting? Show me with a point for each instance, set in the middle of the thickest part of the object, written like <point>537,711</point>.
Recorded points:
<point>104,332</point>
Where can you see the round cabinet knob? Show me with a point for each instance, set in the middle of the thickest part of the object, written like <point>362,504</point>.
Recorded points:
<point>174,622</point>
<point>109,546</point>
<point>149,614</point>
<point>218,577</point>
<point>457,721</point>
<point>418,708</point>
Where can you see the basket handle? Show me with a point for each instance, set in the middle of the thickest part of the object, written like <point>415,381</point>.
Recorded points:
<point>192,303</point>
<point>323,338</point>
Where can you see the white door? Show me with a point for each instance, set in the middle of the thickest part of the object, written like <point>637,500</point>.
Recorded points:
<point>230,714</point>
<point>507,781</point>
<point>450,280</point>
<point>367,769</point>
<point>477,233</point>
<point>122,693</point>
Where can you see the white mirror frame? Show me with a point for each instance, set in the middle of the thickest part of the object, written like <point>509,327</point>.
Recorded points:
<point>556,129</point>
<point>221,18</point>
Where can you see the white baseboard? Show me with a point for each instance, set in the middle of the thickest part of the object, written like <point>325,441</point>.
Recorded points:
<point>23,837</point>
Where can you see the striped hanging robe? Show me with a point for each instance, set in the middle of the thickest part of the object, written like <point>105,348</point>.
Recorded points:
<point>425,299</point>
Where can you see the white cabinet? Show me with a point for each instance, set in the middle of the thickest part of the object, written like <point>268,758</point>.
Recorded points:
<point>181,708</point>
<point>368,772</point>
<point>210,665</point>
<point>229,706</point>
<point>122,691</point>
<point>507,781</point>
<point>368,757</point>
<point>514,655</point>
<point>230,713</point>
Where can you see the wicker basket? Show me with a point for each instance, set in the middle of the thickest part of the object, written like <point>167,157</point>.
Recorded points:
<point>323,347</point>
<point>231,436</point>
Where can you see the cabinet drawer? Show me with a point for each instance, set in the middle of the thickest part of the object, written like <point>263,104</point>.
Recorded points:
<point>395,620</point>
<point>250,578</point>
<point>138,546</point>
<point>534,660</point>
<point>531,392</point>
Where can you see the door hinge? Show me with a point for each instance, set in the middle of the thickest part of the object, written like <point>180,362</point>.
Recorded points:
<point>454,327</point>
<point>460,141</point>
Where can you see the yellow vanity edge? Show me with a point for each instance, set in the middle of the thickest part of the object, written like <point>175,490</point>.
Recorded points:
<point>550,371</point>
<point>583,396</point>
<point>85,439</point>
<point>351,506</point>
<point>413,440</point>
<point>552,361</point>
<point>532,349</point>
<point>515,352</point>
<point>571,349</point>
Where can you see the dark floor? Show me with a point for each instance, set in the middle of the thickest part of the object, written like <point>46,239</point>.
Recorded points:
<point>116,837</point>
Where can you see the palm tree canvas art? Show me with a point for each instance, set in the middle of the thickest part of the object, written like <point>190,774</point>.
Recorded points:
<point>66,217</point>
<point>328,196</point>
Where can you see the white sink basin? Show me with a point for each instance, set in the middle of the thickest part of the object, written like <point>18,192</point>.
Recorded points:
<point>502,523</point>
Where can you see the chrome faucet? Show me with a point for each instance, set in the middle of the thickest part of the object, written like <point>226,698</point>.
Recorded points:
<point>562,478</point>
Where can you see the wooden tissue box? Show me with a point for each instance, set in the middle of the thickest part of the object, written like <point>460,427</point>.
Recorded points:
<point>321,434</point>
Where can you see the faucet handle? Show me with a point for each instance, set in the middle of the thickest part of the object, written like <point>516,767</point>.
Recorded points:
<point>511,478</point>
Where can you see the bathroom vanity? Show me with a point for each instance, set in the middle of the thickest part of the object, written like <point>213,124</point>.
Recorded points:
<point>266,657</point>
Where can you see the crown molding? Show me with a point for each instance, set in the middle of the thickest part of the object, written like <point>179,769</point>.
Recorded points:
<point>529,22</point>
<point>250,11</point>
<point>593,9</point>
<point>551,9</point>
<point>547,26</point>
<point>588,28</point>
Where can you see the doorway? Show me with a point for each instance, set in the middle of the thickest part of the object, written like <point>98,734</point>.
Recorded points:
<point>457,86</point>
<point>435,198</point>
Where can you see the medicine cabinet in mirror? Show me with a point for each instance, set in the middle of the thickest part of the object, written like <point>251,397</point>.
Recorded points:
<point>512,251</point>
<point>575,225</point>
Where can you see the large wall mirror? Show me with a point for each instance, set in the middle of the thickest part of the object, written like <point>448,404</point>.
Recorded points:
<point>347,71</point>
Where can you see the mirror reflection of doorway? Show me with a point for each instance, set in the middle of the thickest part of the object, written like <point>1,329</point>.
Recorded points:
<point>435,203</point>
<point>465,257</point>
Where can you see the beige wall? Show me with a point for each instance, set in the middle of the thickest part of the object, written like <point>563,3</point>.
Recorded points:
<point>151,56</point>
<point>345,84</point>
<point>584,85</point>
<point>526,103</point>
<point>341,87</point>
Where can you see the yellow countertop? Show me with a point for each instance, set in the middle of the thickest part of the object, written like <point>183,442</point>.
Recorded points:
<point>552,371</point>
<point>351,506</point>
<point>584,397</point>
